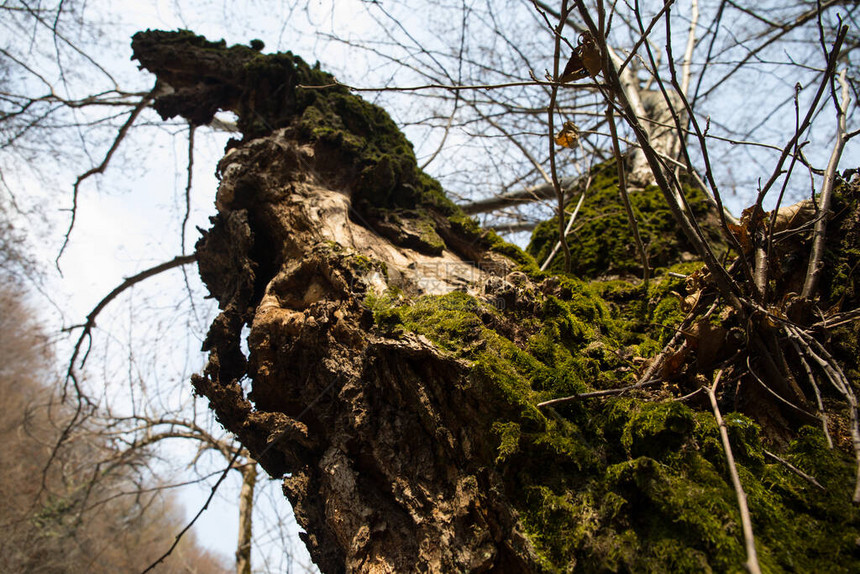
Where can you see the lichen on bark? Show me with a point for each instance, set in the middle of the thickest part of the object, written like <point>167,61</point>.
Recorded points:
<point>398,355</point>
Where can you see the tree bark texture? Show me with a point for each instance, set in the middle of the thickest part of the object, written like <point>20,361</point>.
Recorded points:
<point>386,444</point>
<point>396,360</point>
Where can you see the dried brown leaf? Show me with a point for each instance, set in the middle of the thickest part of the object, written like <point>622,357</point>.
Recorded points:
<point>568,136</point>
<point>793,216</point>
<point>585,60</point>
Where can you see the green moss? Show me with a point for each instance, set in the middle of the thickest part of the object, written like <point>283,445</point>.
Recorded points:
<point>653,429</point>
<point>509,439</point>
<point>626,484</point>
<point>386,311</point>
<point>525,261</point>
<point>677,513</point>
<point>840,282</point>
<point>601,243</point>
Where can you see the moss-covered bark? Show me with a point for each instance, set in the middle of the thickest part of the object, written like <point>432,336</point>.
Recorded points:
<point>361,146</point>
<point>400,402</point>
<point>601,243</point>
<point>635,483</point>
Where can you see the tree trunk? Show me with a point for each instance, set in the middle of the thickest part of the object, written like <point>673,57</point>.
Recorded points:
<point>387,444</point>
<point>246,512</point>
<point>399,365</point>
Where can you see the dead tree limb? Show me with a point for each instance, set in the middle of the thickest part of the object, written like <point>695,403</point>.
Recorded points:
<point>816,258</point>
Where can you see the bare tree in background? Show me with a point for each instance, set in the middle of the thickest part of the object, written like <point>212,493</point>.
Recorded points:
<point>729,58</point>
<point>50,103</point>
<point>94,510</point>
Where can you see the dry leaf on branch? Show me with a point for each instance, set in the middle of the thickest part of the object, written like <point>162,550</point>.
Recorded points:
<point>584,62</point>
<point>568,136</point>
<point>793,216</point>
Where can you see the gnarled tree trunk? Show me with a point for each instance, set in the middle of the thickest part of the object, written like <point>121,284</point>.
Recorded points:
<point>385,443</point>
<point>410,431</point>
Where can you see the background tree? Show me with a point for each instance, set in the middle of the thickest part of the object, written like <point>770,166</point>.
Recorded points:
<point>86,513</point>
<point>52,107</point>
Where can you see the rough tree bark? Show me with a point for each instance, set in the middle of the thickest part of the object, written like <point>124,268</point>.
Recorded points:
<point>409,435</point>
<point>381,437</point>
<point>387,445</point>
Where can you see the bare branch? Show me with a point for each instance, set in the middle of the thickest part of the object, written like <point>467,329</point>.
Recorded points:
<point>567,229</point>
<point>527,195</point>
<point>794,469</point>
<point>189,175</point>
<point>91,317</point>
<point>203,508</point>
<point>746,522</point>
<point>807,120</point>
<point>123,130</point>
<point>816,258</point>
<point>597,394</point>
<point>691,44</point>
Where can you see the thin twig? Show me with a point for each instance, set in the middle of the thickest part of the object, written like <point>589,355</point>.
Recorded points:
<point>794,469</point>
<point>657,362</point>
<point>838,379</point>
<point>535,163</point>
<point>559,190</point>
<point>436,86</point>
<point>816,390</point>
<point>188,526</point>
<point>761,276</point>
<point>132,117</point>
<point>595,394</point>
<point>567,229</point>
<point>746,522</point>
<point>643,37</point>
<point>622,191</point>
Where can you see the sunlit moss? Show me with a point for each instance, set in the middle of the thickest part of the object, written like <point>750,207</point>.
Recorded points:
<point>601,243</point>
<point>627,484</point>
